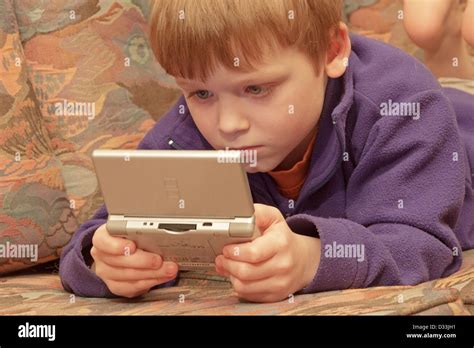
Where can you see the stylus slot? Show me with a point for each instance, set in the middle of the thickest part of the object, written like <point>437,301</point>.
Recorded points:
<point>177,227</point>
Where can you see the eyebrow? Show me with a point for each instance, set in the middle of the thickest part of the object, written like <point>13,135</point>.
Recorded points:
<point>275,76</point>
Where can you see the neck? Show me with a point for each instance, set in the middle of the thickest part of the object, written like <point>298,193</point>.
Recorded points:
<point>298,152</point>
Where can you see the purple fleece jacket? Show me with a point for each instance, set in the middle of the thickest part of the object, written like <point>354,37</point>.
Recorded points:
<point>397,189</point>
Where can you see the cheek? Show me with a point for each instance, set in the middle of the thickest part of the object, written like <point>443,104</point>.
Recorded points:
<point>291,119</point>
<point>205,124</point>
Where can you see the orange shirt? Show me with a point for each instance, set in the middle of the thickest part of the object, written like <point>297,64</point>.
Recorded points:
<point>290,181</point>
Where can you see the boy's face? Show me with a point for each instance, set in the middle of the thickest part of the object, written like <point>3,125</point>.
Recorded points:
<point>277,108</point>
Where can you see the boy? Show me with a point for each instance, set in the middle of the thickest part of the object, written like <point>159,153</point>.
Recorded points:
<point>362,177</point>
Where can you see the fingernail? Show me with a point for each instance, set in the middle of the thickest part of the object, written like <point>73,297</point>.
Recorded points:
<point>170,269</point>
<point>156,262</point>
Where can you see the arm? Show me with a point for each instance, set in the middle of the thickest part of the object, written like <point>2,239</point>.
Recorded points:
<point>76,262</point>
<point>403,201</point>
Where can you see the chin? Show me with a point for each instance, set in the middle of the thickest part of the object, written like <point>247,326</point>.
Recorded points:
<point>261,166</point>
<point>252,170</point>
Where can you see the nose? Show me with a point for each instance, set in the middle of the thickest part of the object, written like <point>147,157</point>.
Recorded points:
<point>231,119</point>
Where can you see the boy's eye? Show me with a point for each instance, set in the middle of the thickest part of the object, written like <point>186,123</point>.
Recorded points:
<point>256,90</point>
<point>202,94</point>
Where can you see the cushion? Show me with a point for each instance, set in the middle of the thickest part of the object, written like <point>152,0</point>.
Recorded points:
<point>35,215</point>
<point>87,80</point>
<point>206,293</point>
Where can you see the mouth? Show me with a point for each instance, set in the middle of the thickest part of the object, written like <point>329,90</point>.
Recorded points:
<point>246,147</point>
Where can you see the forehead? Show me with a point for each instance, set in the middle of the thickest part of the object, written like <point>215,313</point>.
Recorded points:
<point>272,65</point>
<point>236,77</point>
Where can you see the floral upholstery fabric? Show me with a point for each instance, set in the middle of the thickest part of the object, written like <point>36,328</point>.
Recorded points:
<point>75,75</point>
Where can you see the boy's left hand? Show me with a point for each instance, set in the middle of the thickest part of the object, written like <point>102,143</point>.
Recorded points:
<point>273,266</point>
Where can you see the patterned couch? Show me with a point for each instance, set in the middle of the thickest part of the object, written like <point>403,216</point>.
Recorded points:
<point>77,75</point>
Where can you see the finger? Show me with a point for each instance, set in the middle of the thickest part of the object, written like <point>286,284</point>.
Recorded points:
<point>133,274</point>
<point>266,215</point>
<point>247,271</point>
<point>261,298</point>
<point>251,287</point>
<point>133,288</point>
<point>139,259</point>
<point>269,289</point>
<point>258,250</point>
<point>103,241</point>
<point>221,271</point>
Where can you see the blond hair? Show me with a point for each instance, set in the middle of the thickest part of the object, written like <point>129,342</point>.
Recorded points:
<point>191,37</point>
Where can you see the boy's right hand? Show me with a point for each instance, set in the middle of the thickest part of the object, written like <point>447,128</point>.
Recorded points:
<point>126,270</point>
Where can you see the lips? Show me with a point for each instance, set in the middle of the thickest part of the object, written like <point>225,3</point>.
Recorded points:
<point>246,147</point>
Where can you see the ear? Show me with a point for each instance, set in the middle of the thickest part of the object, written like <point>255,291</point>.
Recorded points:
<point>338,52</point>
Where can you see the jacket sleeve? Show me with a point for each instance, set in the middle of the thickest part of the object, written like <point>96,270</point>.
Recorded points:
<point>74,269</point>
<point>403,200</point>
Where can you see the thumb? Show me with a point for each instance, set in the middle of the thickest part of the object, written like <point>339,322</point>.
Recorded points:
<point>128,247</point>
<point>109,244</point>
<point>266,216</point>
